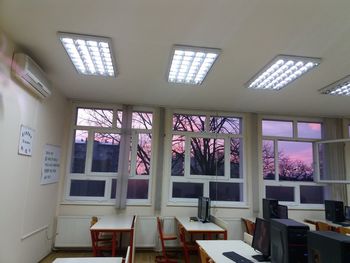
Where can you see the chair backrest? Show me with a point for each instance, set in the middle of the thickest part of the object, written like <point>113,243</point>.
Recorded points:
<point>203,255</point>
<point>249,225</point>
<point>322,226</point>
<point>161,235</point>
<point>343,230</point>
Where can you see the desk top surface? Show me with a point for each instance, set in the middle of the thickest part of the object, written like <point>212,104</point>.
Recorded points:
<point>114,222</point>
<point>89,260</point>
<point>215,248</point>
<point>197,226</point>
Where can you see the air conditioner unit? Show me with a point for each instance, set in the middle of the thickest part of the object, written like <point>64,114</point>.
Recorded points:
<point>30,74</point>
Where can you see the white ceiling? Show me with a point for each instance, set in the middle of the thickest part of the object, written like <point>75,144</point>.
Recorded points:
<point>249,32</point>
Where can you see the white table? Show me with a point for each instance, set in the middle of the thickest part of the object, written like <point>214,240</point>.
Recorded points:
<point>215,248</point>
<point>115,224</point>
<point>195,227</point>
<point>88,260</point>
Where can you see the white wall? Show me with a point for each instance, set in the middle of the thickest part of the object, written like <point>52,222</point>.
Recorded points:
<point>26,206</point>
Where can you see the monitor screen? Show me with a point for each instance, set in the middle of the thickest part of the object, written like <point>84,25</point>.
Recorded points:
<point>347,213</point>
<point>282,211</point>
<point>261,239</point>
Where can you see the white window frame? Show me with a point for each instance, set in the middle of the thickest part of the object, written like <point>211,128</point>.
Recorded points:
<point>205,179</point>
<point>295,184</point>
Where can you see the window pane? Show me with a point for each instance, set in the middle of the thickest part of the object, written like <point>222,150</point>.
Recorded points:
<point>113,188</point>
<point>281,193</point>
<point>142,120</point>
<point>207,156</point>
<point>225,125</point>
<point>105,152</point>
<point>79,152</point>
<point>143,157</point>
<point>295,161</point>
<point>187,190</point>
<point>94,117</point>
<point>220,191</point>
<point>235,158</point>
<point>309,130</point>
<point>311,194</point>
<point>194,123</point>
<point>137,189</point>
<point>178,155</point>
<point>93,188</point>
<point>277,128</point>
<point>268,156</point>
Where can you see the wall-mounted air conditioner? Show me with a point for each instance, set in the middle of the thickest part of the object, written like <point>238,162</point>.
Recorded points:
<point>30,74</point>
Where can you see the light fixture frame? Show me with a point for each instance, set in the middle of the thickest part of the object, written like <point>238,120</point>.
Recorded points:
<point>92,38</point>
<point>274,60</point>
<point>329,88</point>
<point>217,51</point>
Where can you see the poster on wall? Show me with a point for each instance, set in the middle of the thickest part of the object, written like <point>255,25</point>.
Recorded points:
<point>26,137</point>
<point>51,164</point>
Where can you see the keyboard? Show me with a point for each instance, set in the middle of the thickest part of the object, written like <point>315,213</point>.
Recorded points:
<point>193,218</point>
<point>236,257</point>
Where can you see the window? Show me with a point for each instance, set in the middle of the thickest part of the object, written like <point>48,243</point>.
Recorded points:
<point>206,158</point>
<point>287,160</point>
<point>95,168</point>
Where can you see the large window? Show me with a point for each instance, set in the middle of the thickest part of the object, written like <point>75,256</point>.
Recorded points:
<point>288,161</point>
<point>206,158</point>
<point>94,169</point>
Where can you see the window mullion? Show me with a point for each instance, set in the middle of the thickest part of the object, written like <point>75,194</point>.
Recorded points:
<point>89,151</point>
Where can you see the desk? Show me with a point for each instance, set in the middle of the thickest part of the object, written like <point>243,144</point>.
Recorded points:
<point>115,224</point>
<point>334,225</point>
<point>197,227</point>
<point>88,260</point>
<point>215,248</point>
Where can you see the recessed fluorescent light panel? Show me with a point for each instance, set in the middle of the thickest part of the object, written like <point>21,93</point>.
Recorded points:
<point>340,88</point>
<point>281,71</point>
<point>190,65</point>
<point>90,55</point>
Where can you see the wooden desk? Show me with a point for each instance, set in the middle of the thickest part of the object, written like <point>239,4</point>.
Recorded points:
<point>88,260</point>
<point>115,224</point>
<point>197,227</point>
<point>215,248</point>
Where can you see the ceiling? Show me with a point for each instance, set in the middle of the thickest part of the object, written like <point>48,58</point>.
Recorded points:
<point>249,32</point>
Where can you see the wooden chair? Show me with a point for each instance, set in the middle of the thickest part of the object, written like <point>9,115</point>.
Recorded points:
<point>187,247</point>
<point>204,256</point>
<point>343,230</point>
<point>249,225</point>
<point>164,258</point>
<point>101,241</point>
<point>322,226</point>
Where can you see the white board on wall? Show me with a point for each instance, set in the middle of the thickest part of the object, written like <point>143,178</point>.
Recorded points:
<point>51,164</point>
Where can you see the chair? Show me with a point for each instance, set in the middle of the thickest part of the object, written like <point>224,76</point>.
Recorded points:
<point>343,230</point>
<point>322,226</point>
<point>249,225</point>
<point>204,256</point>
<point>101,241</point>
<point>187,247</point>
<point>164,257</point>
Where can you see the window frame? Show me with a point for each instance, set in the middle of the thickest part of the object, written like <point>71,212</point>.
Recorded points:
<point>206,179</point>
<point>295,184</point>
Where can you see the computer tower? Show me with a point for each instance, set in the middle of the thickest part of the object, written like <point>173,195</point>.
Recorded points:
<point>334,210</point>
<point>288,241</point>
<point>270,208</point>
<point>328,246</point>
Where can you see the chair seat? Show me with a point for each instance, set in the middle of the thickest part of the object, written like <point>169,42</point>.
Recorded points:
<point>169,237</point>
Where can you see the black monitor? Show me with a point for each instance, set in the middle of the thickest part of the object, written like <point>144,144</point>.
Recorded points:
<point>270,208</point>
<point>261,239</point>
<point>347,213</point>
<point>328,246</point>
<point>334,210</point>
<point>282,211</point>
<point>204,209</point>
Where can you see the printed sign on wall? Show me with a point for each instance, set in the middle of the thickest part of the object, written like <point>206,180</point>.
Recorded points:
<point>50,170</point>
<point>26,141</point>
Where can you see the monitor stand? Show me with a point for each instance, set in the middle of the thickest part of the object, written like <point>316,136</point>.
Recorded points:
<point>261,258</point>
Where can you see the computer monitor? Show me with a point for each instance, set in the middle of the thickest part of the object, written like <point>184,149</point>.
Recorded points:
<point>282,211</point>
<point>270,208</point>
<point>261,239</point>
<point>347,213</point>
<point>204,209</point>
<point>328,246</point>
<point>334,210</point>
